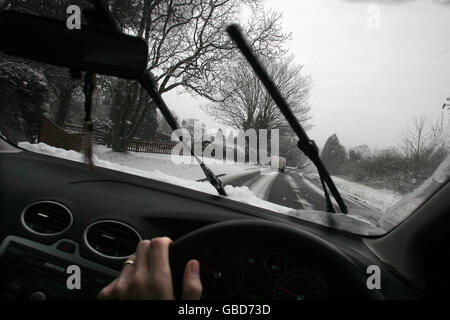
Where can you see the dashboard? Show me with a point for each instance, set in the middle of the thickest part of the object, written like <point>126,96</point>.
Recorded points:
<point>60,213</point>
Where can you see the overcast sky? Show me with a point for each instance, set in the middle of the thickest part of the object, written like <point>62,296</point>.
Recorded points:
<point>370,76</point>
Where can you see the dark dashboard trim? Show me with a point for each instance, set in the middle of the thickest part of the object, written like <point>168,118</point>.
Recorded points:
<point>52,249</point>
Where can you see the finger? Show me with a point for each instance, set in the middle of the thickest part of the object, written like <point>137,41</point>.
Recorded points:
<point>127,271</point>
<point>159,275</point>
<point>142,257</point>
<point>107,292</point>
<point>159,256</point>
<point>192,286</point>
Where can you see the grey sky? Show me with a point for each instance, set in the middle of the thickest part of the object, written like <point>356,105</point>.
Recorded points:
<point>367,82</point>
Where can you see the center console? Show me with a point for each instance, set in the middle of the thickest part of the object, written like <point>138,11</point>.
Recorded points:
<point>32,270</point>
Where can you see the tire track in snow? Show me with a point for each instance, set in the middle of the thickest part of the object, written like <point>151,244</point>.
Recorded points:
<point>317,189</point>
<point>295,188</point>
<point>261,185</point>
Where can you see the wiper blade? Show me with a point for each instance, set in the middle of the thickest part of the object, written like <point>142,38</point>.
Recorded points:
<point>305,144</point>
<point>147,81</point>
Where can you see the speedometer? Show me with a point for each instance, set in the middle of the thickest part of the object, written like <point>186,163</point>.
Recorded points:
<point>300,285</point>
<point>221,274</point>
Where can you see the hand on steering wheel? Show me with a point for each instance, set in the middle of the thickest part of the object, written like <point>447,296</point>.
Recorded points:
<point>148,276</point>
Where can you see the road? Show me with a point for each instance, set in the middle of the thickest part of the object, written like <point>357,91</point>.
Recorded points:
<point>291,188</point>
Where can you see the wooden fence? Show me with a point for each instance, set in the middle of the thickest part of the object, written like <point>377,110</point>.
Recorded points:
<point>53,135</point>
<point>164,147</point>
<point>70,137</point>
<point>100,136</point>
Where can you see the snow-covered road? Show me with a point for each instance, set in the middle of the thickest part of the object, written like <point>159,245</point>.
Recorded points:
<point>297,190</point>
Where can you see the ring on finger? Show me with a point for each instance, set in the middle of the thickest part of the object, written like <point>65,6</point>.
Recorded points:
<point>129,261</point>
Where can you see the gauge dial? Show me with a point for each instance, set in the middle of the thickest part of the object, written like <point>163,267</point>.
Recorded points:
<point>275,263</point>
<point>252,257</point>
<point>299,285</point>
<point>221,274</point>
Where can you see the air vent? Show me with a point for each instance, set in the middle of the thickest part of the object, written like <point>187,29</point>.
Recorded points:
<point>111,239</point>
<point>46,218</point>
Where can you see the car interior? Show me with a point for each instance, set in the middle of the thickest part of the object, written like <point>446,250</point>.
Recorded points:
<point>55,213</point>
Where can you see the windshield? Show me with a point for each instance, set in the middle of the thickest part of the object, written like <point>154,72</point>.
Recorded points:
<point>368,83</point>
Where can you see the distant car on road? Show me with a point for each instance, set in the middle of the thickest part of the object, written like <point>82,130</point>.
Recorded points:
<point>278,163</point>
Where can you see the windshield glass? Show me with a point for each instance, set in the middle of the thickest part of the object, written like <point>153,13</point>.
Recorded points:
<point>368,82</point>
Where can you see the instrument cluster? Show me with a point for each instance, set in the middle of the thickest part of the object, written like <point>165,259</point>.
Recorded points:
<point>255,273</point>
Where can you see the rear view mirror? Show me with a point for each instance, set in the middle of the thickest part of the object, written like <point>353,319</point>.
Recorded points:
<point>87,49</point>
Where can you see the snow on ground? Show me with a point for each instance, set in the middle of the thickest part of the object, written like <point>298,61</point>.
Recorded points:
<point>378,199</point>
<point>184,167</point>
<point>154,167</point>
<point>262,186</point>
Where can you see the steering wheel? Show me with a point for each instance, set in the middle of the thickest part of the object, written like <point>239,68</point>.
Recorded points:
<point>248,233</point>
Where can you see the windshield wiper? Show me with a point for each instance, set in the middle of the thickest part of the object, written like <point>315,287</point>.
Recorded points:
<point>147,81</point>
<point>308,146</point>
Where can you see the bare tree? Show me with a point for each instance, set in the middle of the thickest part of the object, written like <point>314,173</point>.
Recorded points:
<point>189,49</point>
<point>417,138</point>
<point>246,104</point>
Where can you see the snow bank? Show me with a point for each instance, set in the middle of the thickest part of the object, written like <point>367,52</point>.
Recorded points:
<point>375,199</point>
